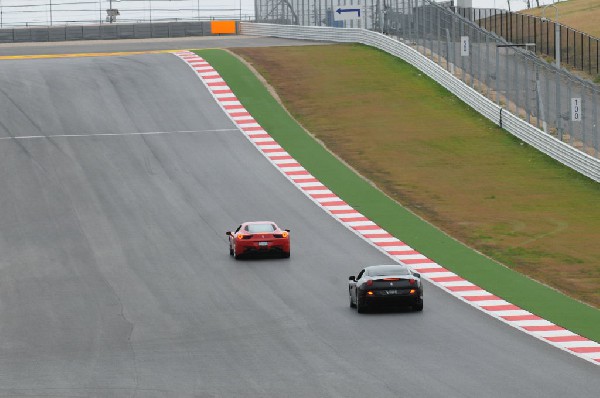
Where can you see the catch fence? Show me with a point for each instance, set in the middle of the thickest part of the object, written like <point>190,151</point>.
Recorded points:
<point>578,50</point>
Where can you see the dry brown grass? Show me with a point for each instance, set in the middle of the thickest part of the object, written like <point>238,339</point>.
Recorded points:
<point>439,158</point>
<point>582,15</point>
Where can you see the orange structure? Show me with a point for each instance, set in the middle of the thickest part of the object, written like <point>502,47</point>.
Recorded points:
<point>223,27</point>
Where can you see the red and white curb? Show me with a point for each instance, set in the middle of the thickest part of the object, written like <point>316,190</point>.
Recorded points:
<point>378,237</point>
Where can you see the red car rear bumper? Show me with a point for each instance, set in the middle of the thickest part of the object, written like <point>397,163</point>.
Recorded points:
<point>260,246</point>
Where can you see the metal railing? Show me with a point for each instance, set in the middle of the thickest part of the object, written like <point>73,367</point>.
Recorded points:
<point>564,153</point>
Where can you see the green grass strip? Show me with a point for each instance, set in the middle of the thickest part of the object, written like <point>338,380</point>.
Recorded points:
<point>453,255</point>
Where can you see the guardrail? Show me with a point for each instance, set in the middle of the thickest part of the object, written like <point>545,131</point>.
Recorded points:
<point>558,150</point>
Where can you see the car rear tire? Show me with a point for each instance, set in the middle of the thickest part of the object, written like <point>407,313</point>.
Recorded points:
<point>230,250</point>
<point>285,255</point>
<point>418,305</point>
<point>360,307</point>
<point>235,255</point>
<point>352,305</point>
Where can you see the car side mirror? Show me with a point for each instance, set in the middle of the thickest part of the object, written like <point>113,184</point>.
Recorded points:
<point>352,278</point>
<point>287,230</point>
<point>417,274</point>
<point>228,233</point>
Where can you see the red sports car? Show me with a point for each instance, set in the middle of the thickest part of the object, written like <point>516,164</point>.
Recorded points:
<point>259,237</point>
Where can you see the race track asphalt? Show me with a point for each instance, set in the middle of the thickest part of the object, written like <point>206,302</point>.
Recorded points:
<point>118,179</point>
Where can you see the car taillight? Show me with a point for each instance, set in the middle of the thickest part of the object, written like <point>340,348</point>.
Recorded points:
<point>412,291</point>
<point>370,282</point>
<point>370,293</point>
<point>240,236</point>
<point>285,234</point>
<point>412,281</point>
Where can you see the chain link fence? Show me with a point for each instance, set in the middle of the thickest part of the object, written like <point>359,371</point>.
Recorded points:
<point>578,50</point>
<point>554,100</point>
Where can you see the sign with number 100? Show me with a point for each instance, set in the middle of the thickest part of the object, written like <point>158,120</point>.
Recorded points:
<point>575,109</point>
<point>464,46</point>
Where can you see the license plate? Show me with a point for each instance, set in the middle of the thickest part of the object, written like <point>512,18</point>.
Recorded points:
<point>392,291</point>
<point>263,243</point>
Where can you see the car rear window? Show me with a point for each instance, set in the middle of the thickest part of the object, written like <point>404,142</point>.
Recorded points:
<point>389,272</point>
<point>258,228</point>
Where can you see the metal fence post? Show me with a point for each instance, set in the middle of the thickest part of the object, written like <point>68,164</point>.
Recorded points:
<point>527,109</point>
<point>595,122</point>
<point>558,106</point>
<point>507,91</point>
<point>497,75</point>
<point>571,133</point>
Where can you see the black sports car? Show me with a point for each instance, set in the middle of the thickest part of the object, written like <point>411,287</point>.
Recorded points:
<point>385,284</point>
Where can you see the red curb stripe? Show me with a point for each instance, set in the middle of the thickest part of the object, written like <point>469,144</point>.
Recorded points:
<point>206,77</point>
<point>370,236</point>
<point>222,92</point>
<point>462,288</point>
<point>506,307</point>
<point>584,350</point>
<point>229,107</point>
<point>565,339</point>
<point>314,188</point>
<point>286,157</point>
<point>259,135</point>
<point>482,298</point>
<point>297,173</point>
<point>355,217</point>
<point>238,114</point>
<point>302,180</point>
<point>407,252</point>
<point>216,84</point>
<point>426,270</point>
<point>514,318</point>
<point>546,328</point>
<point>323,195</point>
<point>246,121</point>
<point>266,143</point>
<point>386,244</point>
<point>255,128</point>
<point>454,278</point>
<point>284,165</point>
<point>345,211</point>
<point>419,261</point>
<point>225,99</point>
<point>334,203</point>
<point>366,227</point>
<point>268,150</point>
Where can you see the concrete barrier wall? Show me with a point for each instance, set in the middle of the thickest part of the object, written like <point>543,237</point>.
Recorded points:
<point>107,32</point>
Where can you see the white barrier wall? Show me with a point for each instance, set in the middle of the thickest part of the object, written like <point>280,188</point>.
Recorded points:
<point>562,152</point>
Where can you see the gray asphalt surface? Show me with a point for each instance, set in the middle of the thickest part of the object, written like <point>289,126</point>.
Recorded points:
<point>72,47</point>
<point>115,278</point>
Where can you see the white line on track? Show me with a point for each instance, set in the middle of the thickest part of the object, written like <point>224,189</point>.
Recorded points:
<point>28,137</point>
